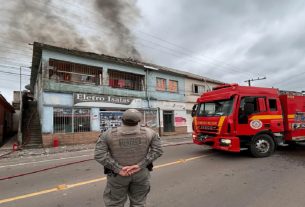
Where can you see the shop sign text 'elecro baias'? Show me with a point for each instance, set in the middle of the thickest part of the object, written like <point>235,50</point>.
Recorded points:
<point>83,97</point>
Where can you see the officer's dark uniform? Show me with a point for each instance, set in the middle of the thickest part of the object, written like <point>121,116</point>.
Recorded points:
<point>127,145</point>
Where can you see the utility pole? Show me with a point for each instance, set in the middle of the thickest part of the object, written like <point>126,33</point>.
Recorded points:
<point>250,80</point>
<point>19,137</point>
<point>20,113</point>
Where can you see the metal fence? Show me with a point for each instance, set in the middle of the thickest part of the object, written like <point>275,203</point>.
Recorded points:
<point>68,120</point>
<point>63,71</point>
<point>118,79</point>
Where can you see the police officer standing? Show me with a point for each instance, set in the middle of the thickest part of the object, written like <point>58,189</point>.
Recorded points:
<point>127,153</point>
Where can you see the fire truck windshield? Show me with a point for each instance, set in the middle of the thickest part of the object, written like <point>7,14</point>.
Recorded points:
<point>215,108</point>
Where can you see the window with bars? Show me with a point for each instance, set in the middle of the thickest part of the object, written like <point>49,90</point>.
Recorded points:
<point>161,84</point>
<point>173,86</point>
<point>69,72</point>
<point>67,120</point>
<point>118,79</point>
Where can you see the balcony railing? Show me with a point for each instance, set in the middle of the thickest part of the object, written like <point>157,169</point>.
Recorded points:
<point>68,72</point>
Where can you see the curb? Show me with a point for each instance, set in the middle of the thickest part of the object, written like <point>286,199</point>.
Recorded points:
<point>7,156</point>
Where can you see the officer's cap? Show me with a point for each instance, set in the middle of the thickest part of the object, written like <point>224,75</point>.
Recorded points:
<point>131,117</point>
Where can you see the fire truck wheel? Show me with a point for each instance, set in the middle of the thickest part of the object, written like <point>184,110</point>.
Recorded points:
<point>262,146</point>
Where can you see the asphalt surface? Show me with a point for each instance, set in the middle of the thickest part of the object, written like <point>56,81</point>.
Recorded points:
<point>187,175</point>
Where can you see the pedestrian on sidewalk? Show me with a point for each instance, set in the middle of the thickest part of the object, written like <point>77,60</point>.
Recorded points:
<point>127,154</point>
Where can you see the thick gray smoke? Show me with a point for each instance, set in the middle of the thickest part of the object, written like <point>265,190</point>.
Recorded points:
<point>38,21</point>
<point>116,15</point>
<point>54,22</point>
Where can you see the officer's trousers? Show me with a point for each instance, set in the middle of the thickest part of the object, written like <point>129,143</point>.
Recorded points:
<point>136,187</point>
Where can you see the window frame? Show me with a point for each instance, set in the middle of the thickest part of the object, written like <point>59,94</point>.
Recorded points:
<point>169,87</point>
<point>198,87</point>
<point>74,73</point>
<point>129,81</point>
<point>71,125</point>
<point>165,84</point>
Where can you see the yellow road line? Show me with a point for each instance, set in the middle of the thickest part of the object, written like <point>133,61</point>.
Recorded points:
<point>66,187</point>
<point>28,195</point>
<point>86,182</point>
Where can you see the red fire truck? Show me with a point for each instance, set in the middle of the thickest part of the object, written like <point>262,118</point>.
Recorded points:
<point>235,118</point>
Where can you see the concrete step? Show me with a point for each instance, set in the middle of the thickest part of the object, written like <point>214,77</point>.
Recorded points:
<point>35,129</point>
<point>35,137</point>
<point>34,133</point>
<point>33,146</point>
<point>37,143</point>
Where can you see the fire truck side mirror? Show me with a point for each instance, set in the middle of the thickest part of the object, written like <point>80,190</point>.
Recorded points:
<point>194,109</point>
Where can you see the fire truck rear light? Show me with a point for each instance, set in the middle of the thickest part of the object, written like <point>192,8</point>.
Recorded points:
<point>194,136</point>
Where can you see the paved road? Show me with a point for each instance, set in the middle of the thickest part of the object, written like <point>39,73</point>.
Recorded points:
<point>187,175</point>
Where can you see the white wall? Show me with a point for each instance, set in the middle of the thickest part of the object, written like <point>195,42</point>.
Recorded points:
<point>190,96</point>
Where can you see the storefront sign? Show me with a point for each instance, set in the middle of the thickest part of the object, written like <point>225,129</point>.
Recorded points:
<point>82,97</point>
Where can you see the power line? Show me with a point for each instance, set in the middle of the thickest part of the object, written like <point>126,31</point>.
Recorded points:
<point>15,48</point>
<point>104,32</point>
<point>13,59</point>
<point>186,57</point>
<point>12,66</point>
<point>213,61</point>
<point>160,39</point>
<point>8,49</point>
<point>168,42</point>
<point>14,73</point>
<point>13,40</point>
<point>15,53</point>
<point>289,79</point>
<point>15,43</point>
<point>13,62</point>
<point>151,42</point>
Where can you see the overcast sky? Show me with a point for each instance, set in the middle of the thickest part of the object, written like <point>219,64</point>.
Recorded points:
<point>231,41</point>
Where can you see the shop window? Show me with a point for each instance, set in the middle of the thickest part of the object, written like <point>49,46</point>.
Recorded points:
<point>118,79</point>
<point>63,71</point>
<point>67,120</point>
<point>161,84</point>
<point>62,119</point>
<point>173,86</point>
<point>81,120</point>
<point>111,119</point>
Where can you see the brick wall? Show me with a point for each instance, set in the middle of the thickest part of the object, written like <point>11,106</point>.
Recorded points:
<point>70,138</point>
<point>91,137</point>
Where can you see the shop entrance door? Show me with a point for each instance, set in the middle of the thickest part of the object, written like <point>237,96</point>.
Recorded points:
<point>168,121</point>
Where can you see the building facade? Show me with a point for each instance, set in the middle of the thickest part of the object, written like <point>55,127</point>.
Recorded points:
<point>6,119</point>
<point>80,94</point>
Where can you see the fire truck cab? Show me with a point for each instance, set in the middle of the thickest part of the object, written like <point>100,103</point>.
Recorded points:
<point>235,118</point>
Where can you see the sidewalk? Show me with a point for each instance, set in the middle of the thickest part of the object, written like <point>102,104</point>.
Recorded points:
<point>7,148</point>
